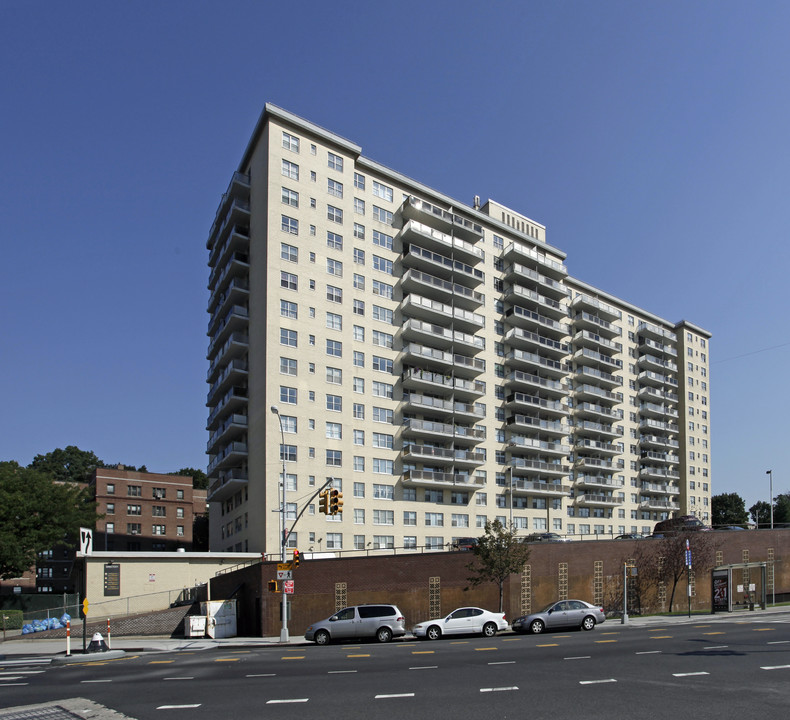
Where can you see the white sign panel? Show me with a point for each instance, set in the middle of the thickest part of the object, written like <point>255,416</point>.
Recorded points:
<point>86,541</point>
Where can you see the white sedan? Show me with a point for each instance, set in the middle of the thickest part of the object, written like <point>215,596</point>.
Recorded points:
<point>464,621</point>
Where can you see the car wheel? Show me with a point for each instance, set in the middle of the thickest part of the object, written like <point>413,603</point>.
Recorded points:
<point>536,626</point>
<point>433,633</point>
<point>588,623</point>
<point>384,634</point>
<point>489,629</point>
<point>322,637</point>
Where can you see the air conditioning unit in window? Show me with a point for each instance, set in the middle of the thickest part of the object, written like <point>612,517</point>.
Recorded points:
<point>135,532</point>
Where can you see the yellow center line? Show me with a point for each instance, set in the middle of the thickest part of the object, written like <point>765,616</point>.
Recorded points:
<point>289,657</point>
<point>763,629</point>
<point>611,633</point>
<point>717,632</point>
<point>557,637</point>
<point>227,660</point>
<point>605,641</point>
<point>159,662</point>
<point>510,639</point>
<point>660,637</point>
<point>240,652</point>
<point>480,649</point>
<point>356,656</point>
<point>701,626</point>
<point>549,645</point>
<point>353,647</point>
<point>459,642</point>
<point>422,652</point>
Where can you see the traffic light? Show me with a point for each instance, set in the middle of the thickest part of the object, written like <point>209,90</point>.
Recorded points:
<point>296,559</point>
<point>273,586</point>
<point>335,502</point>
<point>323,502</point>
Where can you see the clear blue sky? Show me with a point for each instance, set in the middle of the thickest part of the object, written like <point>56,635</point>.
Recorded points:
<point>651,138</point>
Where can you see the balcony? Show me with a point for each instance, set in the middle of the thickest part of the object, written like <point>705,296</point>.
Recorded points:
<point>522,317</point>
<point>660,457</point>
<point>585,338</point>
<point>600,448</point>
<point>553,407</point>
<point>596,306</point>
<point>233,400</point>
<point>234,373</point>
<point>439,359</point>
<point>647,377</point>
<point>585,373</point>
<point>527,423</point>
<point>590,357</point>
<point>238,188</point>
<point>439,336</point>
<point>647,346</point>
<point>237,240</point>
<point>415,209</point>
<point>602,481</point>
<point>551,387</point>
<point>460,434</point>
<point>233,427</point>
<point>448,481</point>
<point>648,425</point>
<point>650,393</point>
<point>586,427</point>
<point>657,411</point>
<point>232,454</point>
<point>589,500</point>
<point>519,295</point>
<point>546,265</point>
<point>516,272</point>
<point>651,362</point>
<point>659,489</point>
<point>517,443</point>
<point>227,485</point>
<point>541,489</point>
<point>237,292</point>
<point>236,345</point>
<point>531,360</point>
<point>441,406</point>
<point>658,333</point>
<point>238,266</point>
<point>647,472</point>
<point>538,467</point>
<point>656,504</point>
<point>417,257</point>
<point>518,337</point>
<point>431,286</point>
<point>419,379</point>
<point>590,410</point>
<point>586,321</point>
<point>443,456</point>
<point>436,240</point>
<point>661,441</point>
<point>592,463</point>
<point>433,311</point>
<point>593,392</point>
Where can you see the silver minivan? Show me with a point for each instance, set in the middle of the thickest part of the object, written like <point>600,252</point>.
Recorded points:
<point>382,622</point>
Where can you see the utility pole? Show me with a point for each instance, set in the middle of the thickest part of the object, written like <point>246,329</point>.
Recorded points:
<point>283,536</point>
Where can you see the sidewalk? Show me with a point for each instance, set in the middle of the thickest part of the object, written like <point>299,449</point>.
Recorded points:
<point>25,647</point>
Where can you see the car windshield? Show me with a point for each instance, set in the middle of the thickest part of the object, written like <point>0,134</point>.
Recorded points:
<point>548,607</point>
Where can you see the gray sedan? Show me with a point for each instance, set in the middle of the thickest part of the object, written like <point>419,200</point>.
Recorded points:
<point>562,614</point>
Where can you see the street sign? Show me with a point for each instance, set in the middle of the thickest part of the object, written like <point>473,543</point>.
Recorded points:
<point>284,575</point>
<point>283,566</point>
<point>288,586</point>
<point>86,541</point>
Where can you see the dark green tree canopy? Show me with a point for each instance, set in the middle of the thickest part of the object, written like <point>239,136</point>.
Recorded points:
<point>728,509</point>
<point>199,478</point>
<point>760,513</point>
<point>498,554</point>
<point>36,514</point>
<point>67,464</point>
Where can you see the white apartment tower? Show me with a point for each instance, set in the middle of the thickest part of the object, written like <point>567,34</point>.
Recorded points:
<point>435,361</point>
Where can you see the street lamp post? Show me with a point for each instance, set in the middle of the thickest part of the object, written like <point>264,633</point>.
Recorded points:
<point>283,539</point>
<point>770,474</point>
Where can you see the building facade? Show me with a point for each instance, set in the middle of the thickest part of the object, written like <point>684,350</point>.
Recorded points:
<point>433,361</point>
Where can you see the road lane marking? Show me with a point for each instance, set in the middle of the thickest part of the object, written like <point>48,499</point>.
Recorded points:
<point>156,662</point>
<point>13,684</point>
<point>596,682</point>
<point>22,672</point>
<point>95,681</point>
<point>499,689</point>
<point>578,657</point>
<point>660,637</point>
<point>262,675</point>
<point>423,652</point>
<point>690,674</point>
<point>549,645</point>
<point>459,642</point>
<point>424,667</point>
<point>715,647</point>
<point>598,642</point>
<point>510,639</point>
<point>558,637</point>
<point>770,642</point>
<point>483,649</point>
<point>701,626</point>
<point>285,657</point>
<point>393,695</point>
<point>611,633</point>
<point>340,672</point>
<point>240,652</point>
<point>764,629</point>
<point>775,667</point>
<point>286,700</point>
<point>503,662</point>
<point>178,707</point>
<point>714,633</point>
<point>357,656</point>
<point>649,652</point>
<point>233,659</point>
<point>12,677</point>
<point>180,678</point>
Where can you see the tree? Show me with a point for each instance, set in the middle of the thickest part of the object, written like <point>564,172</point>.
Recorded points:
<point>760,513</point>
<point>37,514</point>
<point>68,464</point>
<point>199,478</point>
<point>728,509</point>
<point>498,554</point>
<point>782,509</point>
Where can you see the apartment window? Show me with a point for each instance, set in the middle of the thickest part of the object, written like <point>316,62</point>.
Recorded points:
<point>133,528</point>
<point>359,385</point>
<point>382,264</point>
<point>159,510</point>
<point>134,509</point>
<point>290,142</point>
<point>382,466</point>
<point>382,191</point>
<point>179,494</point>
<point>334,348</point>
<point>287,395</point>
<point>335,162</point>
<point>334,241</point>
<point>359,256</point>
<point>287,366</point>
<point>359,231</point>
<point>410,494</point>
<point>290,197</point>
<point>110,509</point>
<point>158,529</point>
<point>382,314</point>
<point>289,309</point>
<point>359,307</point>
<point>358,411</point>
<point>334,458</point>
<point>334,188</point>
<point>334,376</point>
<point>111,488</point>
<point>287,453</point>
<point>334,403</point>
<point>289,281</point>
<point>359,282</point>
<point>359,516</point>
<point>134,490</point>
<point>381,389</point>
<point>334,321</point>
<point>382,415</point>
<point>359,181</point>
<point>334,294</point>
<point>359,206</point>
<point>434,519</point>
<point>334,431</point>
<point>382,239</point>
<point>409,517</point>
<point>359,333</point>
<point>334,267</point>
<point>382,440</point>
<point>359,437</point>
<point>383,492</point>
<point>288,337</point>
<point>383,289</point>
<point>290,170</point>
<point>382,215</point>
<point>382,364</point>
<point>382,339</point>
<point>359,463</point>
<point>383,517</point>
<point>460,520</point>
<point>334,214</point>
<point>383,542</point>
<point>110,528</point>
<point>359,359</point>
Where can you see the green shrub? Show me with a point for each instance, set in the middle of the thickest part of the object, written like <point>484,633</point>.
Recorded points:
<point>12,619</point>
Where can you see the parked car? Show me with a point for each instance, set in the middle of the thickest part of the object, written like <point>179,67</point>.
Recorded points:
<point>382,622</point>
<point>562,614</point>
<point>465,543</point>
<point>682,524</point>
<point>463,621</point>
<point>629,536</point>
<point>545,537</point>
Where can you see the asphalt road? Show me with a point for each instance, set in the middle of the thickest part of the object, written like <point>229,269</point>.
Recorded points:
<point>702,669</point>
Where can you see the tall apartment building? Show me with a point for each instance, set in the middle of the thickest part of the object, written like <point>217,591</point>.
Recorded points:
<point>435,360</point>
